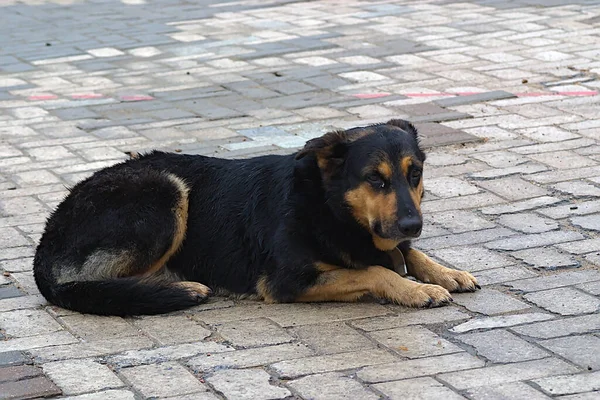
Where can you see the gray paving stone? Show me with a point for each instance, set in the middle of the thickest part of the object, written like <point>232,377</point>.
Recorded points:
<point>489,302</point>
<point>11,358</point>
<point>563,327</point>
<point>514,372</point>
<point>513,188</point>
<point>500,275</point>
<point>521,205</point>
<point>528,222</point>
<point>514,390</point>
<point>427,388</point>
<point>340,338</point>
<point>334,386</point>
<point>246,384</point>
<point>567,384</point>
<point>565,301</point>
<point>253,332</point>
<point>534,240</point>
<point>414,342</point>
<point>501,321</point>
<point>167,379</point>
<point>471,258</point>
<point>500,346</point>
<point>591,222</point>
<point>475,98</point>
<point>331,362</point>
<point>556,280</point>
<point>80,376</point>
<point>473,237</point>
<point>419,367</point>
<point>545,258</point>
<point>406,318</point>
<point>576,349</point>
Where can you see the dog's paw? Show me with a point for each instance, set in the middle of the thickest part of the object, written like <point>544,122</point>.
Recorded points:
<point>200,291</point>
<point>457,281</point>
<point>425,295</point>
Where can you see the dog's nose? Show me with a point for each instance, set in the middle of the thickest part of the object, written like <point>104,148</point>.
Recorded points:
<point>410,227</point>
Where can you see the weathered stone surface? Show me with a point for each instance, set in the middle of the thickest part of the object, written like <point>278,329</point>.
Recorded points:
<point>500,346</point>
<point>507,373</point>
<point>339,338</point>
<point>419,367</point>
<point>565,301</point>
<point>80,376</point>
<point>576,349</point>
<point>331,386</point>
<point>500,321</point>
<point>253,332</point>
<point>562,327</point>
<point>167,379</point>
<point>567,384</point>
<point>425,388</point>
<point>414,342</point>
<point>489,302</point>
<point>513,390</point>
<point>246,384</point>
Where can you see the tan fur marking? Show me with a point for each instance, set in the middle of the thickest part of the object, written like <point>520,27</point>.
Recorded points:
<point>262,288</point>
<point>405,163</point>
<point>425,269</point>
<point>195,287</point>
<point>385,169</point>
<point>343,284</point>
<point>180,212</point>
<point>416,195</point>
<point>369,207</point>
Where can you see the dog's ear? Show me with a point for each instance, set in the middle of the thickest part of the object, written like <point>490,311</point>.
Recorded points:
<point>405,126</point>
<point>329,145</point>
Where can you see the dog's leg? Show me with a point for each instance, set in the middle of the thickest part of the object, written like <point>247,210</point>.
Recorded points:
<point>426,270</point>
<point>341,284</point>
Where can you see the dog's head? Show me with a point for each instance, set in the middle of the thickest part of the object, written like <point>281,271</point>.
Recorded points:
<point>375,173</point>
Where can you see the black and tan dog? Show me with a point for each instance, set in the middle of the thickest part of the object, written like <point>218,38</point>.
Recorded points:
<point>146,236</point>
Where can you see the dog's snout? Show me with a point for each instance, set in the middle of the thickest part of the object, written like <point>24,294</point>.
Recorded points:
<point>410,227</point>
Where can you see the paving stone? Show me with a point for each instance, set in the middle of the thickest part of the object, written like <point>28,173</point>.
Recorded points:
<point>22,323</point>
<point>513,188</point>
<point>567,384</point>
<point>471,258</point>
<point>591,287</point>
<point>576,349</point>
<point>563,327</point>
<point>514,390</point>
<point>19,372</point>
<point>250,357</point>
<point>9,291</point>
<point>161,329</point>
<point>340,338</point>
<point>75,349</point>
<point>577,188</point>
<point>331,362</point>
<point>514,372</point>
<point>418,367</point>
<point>407,318</point>
<point>501,321</point>
<point>162,380</point>
<point>246,384</point>
<point>500,275</point>
<point>334,386</point>
<point>105,395</point>
<point>556,280</point>
<point>528,222</point>
<point>545,258</point>
<point>423,388</point>
<point>563,159</point>
<point>474,98</point>
<point>463,202</point>
<point>565,301</point>
<point>28,389</point>
<point>94,327</point>
<point>460,221</point>
<point>253,332</point>
<point>147,355</point>
<point>489,302</point>
<point>413,342</point>
<point>534,240</point>
<point>521,205</point>
<point>500,346</point>
<point>80,376</point>
<point>591,222</point>
<point>460,239</point>
<point>11,358</point>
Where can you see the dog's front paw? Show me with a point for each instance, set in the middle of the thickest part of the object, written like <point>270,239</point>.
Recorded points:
<point>425,295</point>
<point>456,281</point>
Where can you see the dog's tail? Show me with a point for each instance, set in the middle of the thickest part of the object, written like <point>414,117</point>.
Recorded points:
<point>116,296</point>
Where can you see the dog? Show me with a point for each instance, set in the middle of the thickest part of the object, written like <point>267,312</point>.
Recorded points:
<point>151,235</point>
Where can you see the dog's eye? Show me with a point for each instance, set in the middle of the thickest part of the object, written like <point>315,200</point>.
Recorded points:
<point>376,180</point>
<point>415,176</point>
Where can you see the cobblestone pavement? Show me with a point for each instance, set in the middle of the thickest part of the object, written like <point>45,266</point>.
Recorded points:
<point>505,94</point>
